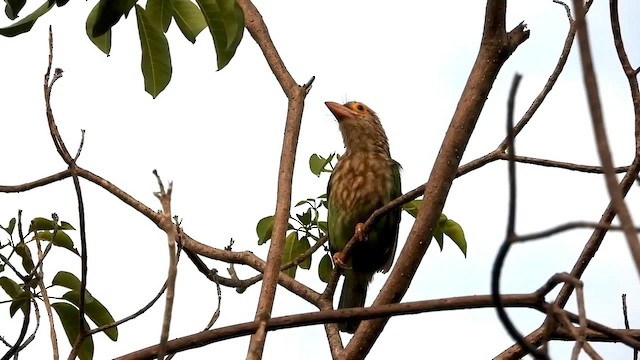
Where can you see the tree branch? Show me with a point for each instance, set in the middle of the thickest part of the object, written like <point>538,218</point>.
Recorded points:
<point>495,49</point>
<point>296,95</point>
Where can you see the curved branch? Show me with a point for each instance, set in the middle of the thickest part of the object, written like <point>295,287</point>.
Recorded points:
<point>533,301</point>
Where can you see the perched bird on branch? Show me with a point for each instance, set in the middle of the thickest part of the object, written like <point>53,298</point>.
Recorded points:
<point>365,179</point>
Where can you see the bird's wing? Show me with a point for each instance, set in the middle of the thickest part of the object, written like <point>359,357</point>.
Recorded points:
<point>393,218</point>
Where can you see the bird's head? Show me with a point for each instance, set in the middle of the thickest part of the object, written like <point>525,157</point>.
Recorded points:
<point>361,129</point>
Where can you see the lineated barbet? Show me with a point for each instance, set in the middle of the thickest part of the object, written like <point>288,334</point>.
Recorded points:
<point>364,179</point>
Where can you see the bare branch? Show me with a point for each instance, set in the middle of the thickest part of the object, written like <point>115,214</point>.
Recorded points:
<point>296,95</point>
<point>173,232</point>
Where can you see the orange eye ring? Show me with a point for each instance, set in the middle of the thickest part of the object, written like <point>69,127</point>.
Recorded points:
<point>360,107</point>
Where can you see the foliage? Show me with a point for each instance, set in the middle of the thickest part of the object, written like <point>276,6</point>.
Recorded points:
<point>224,18</point>
<point>29,284</point>
<point>310,223</point>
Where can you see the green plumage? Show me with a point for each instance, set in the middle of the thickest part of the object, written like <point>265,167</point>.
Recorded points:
<point>365,179</point>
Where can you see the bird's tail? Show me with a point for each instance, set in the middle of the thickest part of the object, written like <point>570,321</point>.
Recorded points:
<point>354,293</point>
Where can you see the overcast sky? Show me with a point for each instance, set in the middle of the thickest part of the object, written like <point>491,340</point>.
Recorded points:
<point>218,136</point>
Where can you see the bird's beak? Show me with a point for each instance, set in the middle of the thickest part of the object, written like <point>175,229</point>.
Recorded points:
<point>341,112</point>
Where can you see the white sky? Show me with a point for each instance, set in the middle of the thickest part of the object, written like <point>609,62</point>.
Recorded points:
<point>218,136</point>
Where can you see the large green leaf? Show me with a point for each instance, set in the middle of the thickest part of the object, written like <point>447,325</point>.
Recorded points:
<point>66,279</point>
<point>189,19</point>
<point>225,20</point>
<point>13,7</point>
<point>159,12</point>
<point>95,311</point>
<point>68,315</point>
<point>26,23</point>
<point>103,42</point>
<point>109,13</point>
<point>156,59</point>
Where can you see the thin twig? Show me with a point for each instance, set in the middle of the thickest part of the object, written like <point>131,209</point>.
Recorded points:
<point>510,235</point>
<point>595,108</point>
<point>45,298</point>
<point>626,321</point>
<point>173,232</point>
<point>564,227</point>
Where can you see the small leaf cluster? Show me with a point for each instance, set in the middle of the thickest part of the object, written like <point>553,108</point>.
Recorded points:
<point>224,18</point>
<point>304,225</point>
<point>16,255</point>
<point>444,226</point>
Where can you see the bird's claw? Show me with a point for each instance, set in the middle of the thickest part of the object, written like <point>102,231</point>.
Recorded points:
<point>360,234</point>
<point>337,259</point>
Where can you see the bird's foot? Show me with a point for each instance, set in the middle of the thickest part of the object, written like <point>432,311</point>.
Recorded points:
<point>360,234</point>
<point>339,261</point>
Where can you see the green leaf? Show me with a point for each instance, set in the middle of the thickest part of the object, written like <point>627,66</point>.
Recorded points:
<point>13,7</point>
<point>20,302</point>
<point>61,239</point>
<point>159,13</point>
<point>264,229</point>
<point>226,24</point>
<point>301,202</point>
<point>103,42</point>
<point>10,287</point>
<point>70,281</point>
<point>68,315</point>
<point>10,227</point>
<point>156,59</point>
<point>437,234</point>
<point>323,226</point>
<point>189,19</point>
<point>67,280</point>
<point>454,231</point>
<point>301,246</point>
<point>109,13</point>
<point>288,253</point>
<point>412,207</point>
<point>95,311</point>
<point>23,251</point>
<point>26,23</point>
<point>41,223</point>
<point>316,164</point>
<point>305,218</point>
<point>18,295</point>
<point>65,226</point>
<point>325,268</point>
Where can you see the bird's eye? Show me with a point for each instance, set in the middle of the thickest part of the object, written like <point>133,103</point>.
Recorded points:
<point>360,107</point>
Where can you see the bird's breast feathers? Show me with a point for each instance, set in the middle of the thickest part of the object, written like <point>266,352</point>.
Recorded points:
<point>362,181</point>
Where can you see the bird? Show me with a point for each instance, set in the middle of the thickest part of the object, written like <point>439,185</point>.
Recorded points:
<point>364,179</point>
